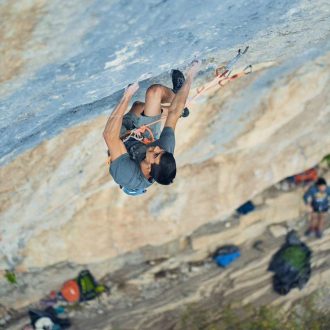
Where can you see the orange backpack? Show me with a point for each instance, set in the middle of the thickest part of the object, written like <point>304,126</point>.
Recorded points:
<point>70,291</point>
<point>309,175</point>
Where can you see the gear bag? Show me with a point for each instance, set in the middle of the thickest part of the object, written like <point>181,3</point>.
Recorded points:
<point>291,265</point>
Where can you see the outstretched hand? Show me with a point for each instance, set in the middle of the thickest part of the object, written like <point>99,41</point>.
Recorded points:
<point>131,89</point>
<point>194,68</point>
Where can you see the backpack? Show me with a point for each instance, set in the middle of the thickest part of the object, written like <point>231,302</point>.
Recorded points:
<point>47,320</point>
<point>225,255</point>
<point>291,265</point>
<point>89,289</point>
<point>307,176</point>
<point>246,208</point>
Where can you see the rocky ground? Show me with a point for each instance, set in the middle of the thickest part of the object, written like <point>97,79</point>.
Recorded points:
<point>162,293</point>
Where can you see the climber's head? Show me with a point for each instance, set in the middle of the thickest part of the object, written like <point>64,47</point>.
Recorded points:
<point>162,165</point>
<point>321,184</point>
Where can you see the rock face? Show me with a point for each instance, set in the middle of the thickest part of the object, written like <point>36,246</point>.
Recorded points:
<point>60,208</point>
<point>69,199</point>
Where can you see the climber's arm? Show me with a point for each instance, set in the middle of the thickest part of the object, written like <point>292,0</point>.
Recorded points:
<point>111,133</point>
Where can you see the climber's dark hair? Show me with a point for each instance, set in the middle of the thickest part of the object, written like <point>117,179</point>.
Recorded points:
<point>321,182</point>
<point>165,172</point>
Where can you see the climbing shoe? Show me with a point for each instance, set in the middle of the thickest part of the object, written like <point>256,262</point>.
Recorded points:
<point>177,80</point>
<point>185,113</point>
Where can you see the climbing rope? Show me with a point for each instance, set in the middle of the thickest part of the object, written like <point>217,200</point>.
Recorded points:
<point>138,134</point>
<point>221,79</point>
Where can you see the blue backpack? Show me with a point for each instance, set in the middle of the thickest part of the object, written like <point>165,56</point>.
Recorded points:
<point>225,255</point>
<point>246,208</point>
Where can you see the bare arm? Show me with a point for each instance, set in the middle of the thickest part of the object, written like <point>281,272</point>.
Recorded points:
<point>111,133</point>
<point>180,99</point>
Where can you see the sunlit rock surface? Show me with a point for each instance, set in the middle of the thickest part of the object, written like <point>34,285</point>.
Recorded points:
<point>71,209</point>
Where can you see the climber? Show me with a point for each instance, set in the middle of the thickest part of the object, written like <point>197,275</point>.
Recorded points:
<point>317,198</point>
<point>135,165</point>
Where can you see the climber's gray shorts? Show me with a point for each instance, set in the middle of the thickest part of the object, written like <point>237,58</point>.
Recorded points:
<point>131,121</point>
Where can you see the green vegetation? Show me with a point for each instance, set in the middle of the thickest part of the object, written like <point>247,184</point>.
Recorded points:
<point>304,316</point>
<point>326,160</point>
<point>11,277</point>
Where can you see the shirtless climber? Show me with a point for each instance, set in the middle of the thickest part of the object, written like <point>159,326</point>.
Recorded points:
<point>135,165</point>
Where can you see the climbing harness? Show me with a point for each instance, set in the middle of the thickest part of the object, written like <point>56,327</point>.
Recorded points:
<point>139,135</point>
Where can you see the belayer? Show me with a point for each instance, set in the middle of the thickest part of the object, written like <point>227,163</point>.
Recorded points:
<point>136,165</point>
<point>318,199</point>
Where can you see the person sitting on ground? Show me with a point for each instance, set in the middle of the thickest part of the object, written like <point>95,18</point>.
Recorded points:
<point>317,198</point>
<point>135,165</point>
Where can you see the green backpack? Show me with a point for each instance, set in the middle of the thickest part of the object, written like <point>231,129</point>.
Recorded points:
<point>88,287</point>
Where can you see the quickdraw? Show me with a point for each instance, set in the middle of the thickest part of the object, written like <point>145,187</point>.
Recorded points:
<point>227,78</point>
<point>222,77</point>
<point>139,135</point>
